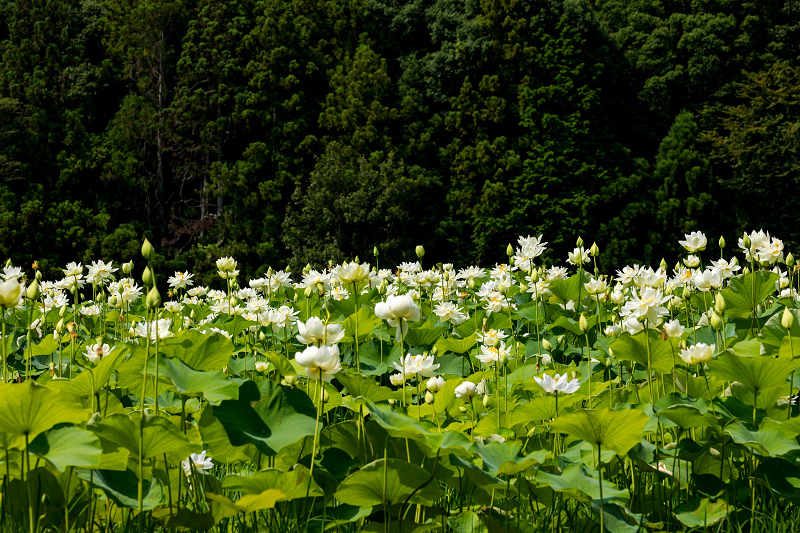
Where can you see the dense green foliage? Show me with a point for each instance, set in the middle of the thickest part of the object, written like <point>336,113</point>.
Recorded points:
<point>219,127</point>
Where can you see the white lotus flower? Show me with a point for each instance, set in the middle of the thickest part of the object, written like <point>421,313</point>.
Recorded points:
<point>417,364</point>
<point>558,384</point>
<point>314,331</point>
<point>321,362</point>
<point>398,311</point>
<point>197,462</point>
<point>694,242</point>
<point>698,353</point>
<point>466,390</point>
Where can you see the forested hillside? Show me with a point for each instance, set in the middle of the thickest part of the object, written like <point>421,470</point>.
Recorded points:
<point>313,130</point>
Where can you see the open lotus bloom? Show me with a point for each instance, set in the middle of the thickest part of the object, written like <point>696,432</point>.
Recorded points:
<point>314,331</point>
<point>698,353</point>
<point>558,384</point>
<point>417,364</point>
<point>321,362</point>
<point>398,311</point>
<point>197,462</point>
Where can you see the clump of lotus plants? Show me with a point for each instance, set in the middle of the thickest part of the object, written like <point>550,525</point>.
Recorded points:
<point>518,396</point>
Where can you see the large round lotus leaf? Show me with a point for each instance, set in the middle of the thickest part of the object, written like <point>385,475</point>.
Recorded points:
<point>27,410</point>
<point>391,481</point>
<point>613,430</point>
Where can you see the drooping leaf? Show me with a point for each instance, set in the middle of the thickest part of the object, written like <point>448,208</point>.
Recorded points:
<point>294,484</point>
<point>214,386</point>
<point>67,446</point>
<point>123,487</point>
<point>160,436</point>
<point>391,481</point>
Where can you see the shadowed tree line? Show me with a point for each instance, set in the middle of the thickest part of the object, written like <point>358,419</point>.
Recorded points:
<point>315,130</point>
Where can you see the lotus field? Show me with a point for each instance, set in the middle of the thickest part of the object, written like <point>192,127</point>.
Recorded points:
<point>522,397</point>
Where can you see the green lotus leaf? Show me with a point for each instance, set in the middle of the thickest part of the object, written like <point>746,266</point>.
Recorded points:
<point>184,519</point>
<point>213,386</point>
<point>765,442</point>
<point>268,416</point>
<point>424,336</point>
<point>246,504</point>
<point>216,438</point>
<point>92,380</point>
<point>400,425</point>
<point>294,484</point>
<point>123,487</point>
<point>26,410</point>
<point>540,408</point>
<point>67,446</point>
<point>201,351</point>
<point>574,481</point>
<point>745,292</point>
<point>160,435</point>
<point>467,522</point>
<point>455,345</point>
<point>506,457</point>
<point>688,416</point>
<point>634,348</point>
<point>702,513</point>
<point>618,431</point>
<point>391,481</point>
<point>757,373</point>
<point>364,387</point>
<point>366,319</point>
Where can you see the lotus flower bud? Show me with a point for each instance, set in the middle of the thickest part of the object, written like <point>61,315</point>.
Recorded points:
<point>60,326</point>
<point>471,284</point>
<point>127,267</point>
<point>33,291</point>
<point>787,319</point>
<point>308,291</point>
<point>420,251</point>
<point>38,273</point>
<point>112,301</point>
<point>722,243</point>
<point>547,345</point>
<point>509,250</point>
<point>523,287</point>
<point>375,251</point>
<point>715,321</point>
<point>460,408</point>
<point>789,261</point>
<point>147,249</point>
<point>719,303</point>
<point>307,268</point>
<point>429,397</point>
<point>290,381</point>
<point>63,311</point>
<point>583,323</point>
<point>579,242</point>
<point>147,276</point>
<point>153,300</point>
<point>746,241</point>
<point>746,270</point>
<point>487,402</point>
<point>502,289</point>
<point>325,396</point>
<point>262,336</point>
<point>535,275</point>
<point>594,251</point>
<point>663,264</point>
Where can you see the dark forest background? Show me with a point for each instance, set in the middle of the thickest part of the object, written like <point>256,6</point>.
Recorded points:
<point>287,132</point>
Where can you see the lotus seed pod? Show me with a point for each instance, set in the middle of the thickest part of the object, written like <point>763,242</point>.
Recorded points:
<point>147,249</point>
<point>33,291</point>
<point>147,276</point>
<point>787,319</point>
<point>420,251</point>
<point>153,300</point>
<point>579,242</point>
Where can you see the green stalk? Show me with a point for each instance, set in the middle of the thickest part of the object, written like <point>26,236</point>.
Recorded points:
<point>141,429</point>
<point>5,349</point>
